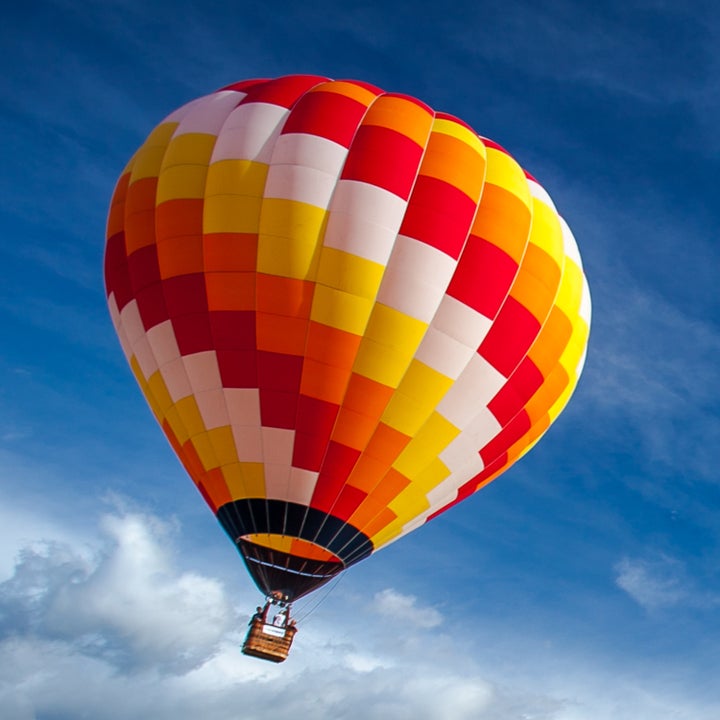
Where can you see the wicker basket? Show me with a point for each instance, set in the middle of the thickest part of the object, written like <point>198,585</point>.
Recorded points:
<point>268,642</point>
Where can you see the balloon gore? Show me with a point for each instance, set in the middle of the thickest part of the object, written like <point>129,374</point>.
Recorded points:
<point>348,312</point>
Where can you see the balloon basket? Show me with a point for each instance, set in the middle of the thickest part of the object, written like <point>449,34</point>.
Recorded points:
<point>268,642</point>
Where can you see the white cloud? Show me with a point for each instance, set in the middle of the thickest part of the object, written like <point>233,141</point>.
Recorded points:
<point>660,583</point>
<point>118,629</point>
<point>405,610</point>
<point>127,605</point>
<point>652,585</point>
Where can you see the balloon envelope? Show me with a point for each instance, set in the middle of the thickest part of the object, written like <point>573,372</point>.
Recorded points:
<point>347,311</point>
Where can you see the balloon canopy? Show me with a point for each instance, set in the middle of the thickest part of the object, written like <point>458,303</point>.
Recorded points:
<point>347,311</point>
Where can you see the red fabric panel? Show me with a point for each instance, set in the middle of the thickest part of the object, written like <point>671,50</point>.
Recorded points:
<point>192,333</point>
<point>277,371</point>
<point>483,276</point>
<point>439,214</point>
<point>515,394</point>
<point>314,424</point>
<point>385,158</point>
<point>348,501</point>
<point>238,368</point>
<point>277,409</point>
<point>117,279</point>
<point>510,434</point>
<point>283,91</point>
<point>338,464</point>
<point>510,337</point>
<point>233,330</point>
<point>185,294</point>
<point>151,303</point>
<point>329,115</point>
<point>143,267</point>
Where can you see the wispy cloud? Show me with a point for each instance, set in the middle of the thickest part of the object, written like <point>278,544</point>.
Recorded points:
<point>405,609</point>
<point>660,583</point>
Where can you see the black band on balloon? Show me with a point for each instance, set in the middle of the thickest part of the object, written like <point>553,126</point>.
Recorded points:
<point>274,570</point>
<point>278,517</point>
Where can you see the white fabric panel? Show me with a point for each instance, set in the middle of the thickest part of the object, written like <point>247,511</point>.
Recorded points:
<point>250,132</point>
<point>131,322</point>
<point>119,329</point>
<point>473,390</point>
<point>444,353</point>
<point>585,310</point>
<point>144,355</point>
<point>461,322</point>
<point>309,151</point>
<point>278,445</point>
<point>176,379</point>
<point>302,485</point>
<point>213,410</point>
<point>181,112</point>
<point>277,478</point>
<point>447,490</point>
<point>306,185</point>
<point>478,433</point>
<point>570,244</point>
<point>203,371</point>
<point>357,236</point>
<point>210,116</point>
<point>243,406</point>
<point>539,192</point>
<point>163,343</point>
<point>248,443</point>
<point>358,198</point>
<point>416,278</point>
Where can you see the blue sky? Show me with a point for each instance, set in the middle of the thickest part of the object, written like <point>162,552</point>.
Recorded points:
<point>582,585</point>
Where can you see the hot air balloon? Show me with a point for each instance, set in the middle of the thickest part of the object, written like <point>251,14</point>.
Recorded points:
<point>348,312</point>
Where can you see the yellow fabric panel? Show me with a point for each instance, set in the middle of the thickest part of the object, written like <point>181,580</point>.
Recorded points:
<point>290,234</point>
<point>189,415</point>
<point>245,480</point>
<point>389,344</point>
<point>546,232</point>
<point>231,214</point>
<point>236,177</point>
<point>145,388</point>
<point>149,158</point>
<point>446,126</point>
<point>205,451</point>
<point>189,149</point>
<point>419,392</point>
<point>402,115</point>
<point>341,310</point>
<point>162,401</point>
<point>281,543</point>
<point>504,172</point>
<point>181,181</point>
<point>177,425</point>
<point>570,293</point>
<point>429,478</point>
<point>434,436</point>
<point>408,504</point>
<point>223,443</point>
<point>349,273</point>
<point>361,94</point>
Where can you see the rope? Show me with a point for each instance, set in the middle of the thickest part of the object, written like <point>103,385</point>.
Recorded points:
<point>333,584</point>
